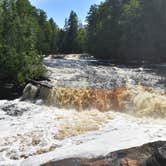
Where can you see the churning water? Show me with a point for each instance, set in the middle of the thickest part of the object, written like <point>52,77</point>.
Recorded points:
<point>92,108</point>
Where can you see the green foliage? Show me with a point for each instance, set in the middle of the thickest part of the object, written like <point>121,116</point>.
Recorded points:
<point>123,30</point>
<point>26,33</point>
<point>47,34</point>
<point>69,34</point>
<point>72,39</point>
<point>128,30</point>
<point>81,40</point>
<point>18,34</point>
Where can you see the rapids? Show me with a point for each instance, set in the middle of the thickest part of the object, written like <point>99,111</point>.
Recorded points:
<point>93,108</point>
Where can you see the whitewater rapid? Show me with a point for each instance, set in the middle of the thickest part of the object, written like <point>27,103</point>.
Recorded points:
<point>33,132</point>
<point>35,137</point>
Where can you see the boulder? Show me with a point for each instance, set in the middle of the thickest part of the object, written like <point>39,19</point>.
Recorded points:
<point>30,92</point>
<point>152,154</point>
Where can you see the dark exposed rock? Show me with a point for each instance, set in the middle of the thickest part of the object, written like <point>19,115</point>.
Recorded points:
<point>10,91</point>
<point>36,90</point>
<point>158,158</point>
<point>152,154</point>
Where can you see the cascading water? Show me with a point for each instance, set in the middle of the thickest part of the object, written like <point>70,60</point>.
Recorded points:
<point>90,109</point>
<point>141,100</point>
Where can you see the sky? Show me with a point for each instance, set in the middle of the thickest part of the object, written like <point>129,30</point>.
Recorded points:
<point>60,9</point>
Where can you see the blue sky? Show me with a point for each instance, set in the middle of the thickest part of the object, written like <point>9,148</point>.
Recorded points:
<point>60,9</point>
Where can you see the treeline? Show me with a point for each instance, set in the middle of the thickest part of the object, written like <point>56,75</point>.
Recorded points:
<point>127,30</point>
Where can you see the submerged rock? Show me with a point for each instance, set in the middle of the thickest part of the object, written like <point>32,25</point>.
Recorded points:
<point>13,109</point>
<point>152,154</point>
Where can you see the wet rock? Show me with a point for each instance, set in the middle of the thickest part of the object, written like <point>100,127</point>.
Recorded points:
<point>9,91</point>
<point>57,56</point>
<point>157,159</point>
<point>30,92</point>
<point>43,93</point>
<point>152,154</point>
<point>13,110</point>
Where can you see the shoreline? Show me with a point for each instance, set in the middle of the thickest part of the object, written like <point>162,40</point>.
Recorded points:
<point>10,91</point>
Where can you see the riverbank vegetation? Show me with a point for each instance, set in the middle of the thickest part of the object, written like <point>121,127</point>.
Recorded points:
<point>26,35</point>
<point>19,35</point>
<point>126,30</point>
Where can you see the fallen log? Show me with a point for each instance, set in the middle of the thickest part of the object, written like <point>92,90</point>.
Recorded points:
<point>39,83</point>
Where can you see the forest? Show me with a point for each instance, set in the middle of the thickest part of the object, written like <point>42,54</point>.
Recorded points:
<point>121,30</point>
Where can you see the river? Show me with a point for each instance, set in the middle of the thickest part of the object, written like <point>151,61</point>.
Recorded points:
<point>93,108</point>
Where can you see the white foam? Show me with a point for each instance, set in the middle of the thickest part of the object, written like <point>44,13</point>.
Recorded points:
<point>39,122</point>
<point>122,132</point>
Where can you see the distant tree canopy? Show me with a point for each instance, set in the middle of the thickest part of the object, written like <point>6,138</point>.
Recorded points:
<point>72,39</point>
<point>128,30</point>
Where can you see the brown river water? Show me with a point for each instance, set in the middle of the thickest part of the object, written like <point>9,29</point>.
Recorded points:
<point>93,108</point>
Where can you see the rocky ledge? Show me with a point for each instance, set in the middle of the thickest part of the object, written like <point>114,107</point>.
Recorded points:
<point>152,154</point>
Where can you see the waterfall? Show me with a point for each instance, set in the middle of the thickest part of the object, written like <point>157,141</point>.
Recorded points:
<point>85,110</point>
<point>139,100</point>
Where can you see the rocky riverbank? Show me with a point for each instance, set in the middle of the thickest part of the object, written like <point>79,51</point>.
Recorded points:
<point>10,91</point>
<point>151,154</point>
<point>69,56</point>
